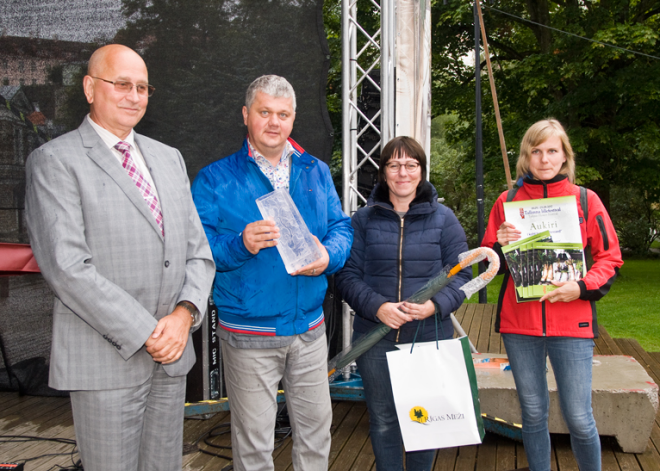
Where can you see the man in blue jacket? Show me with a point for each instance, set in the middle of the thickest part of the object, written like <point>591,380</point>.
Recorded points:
<point>271,322</point>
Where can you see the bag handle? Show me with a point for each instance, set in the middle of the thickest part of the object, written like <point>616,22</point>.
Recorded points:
<point>435,317</point>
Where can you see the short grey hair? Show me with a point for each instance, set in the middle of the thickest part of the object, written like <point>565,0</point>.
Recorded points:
<point>272,85</point>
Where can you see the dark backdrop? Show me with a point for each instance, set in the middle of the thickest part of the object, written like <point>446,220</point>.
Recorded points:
<point>201,56</point>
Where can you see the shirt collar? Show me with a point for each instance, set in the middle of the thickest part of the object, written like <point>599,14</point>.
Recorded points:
<point>110,139</point>
<point>286,152</point>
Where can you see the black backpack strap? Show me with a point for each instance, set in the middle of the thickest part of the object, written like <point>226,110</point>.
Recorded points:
<point>584,202</point>
<point>511,194</point>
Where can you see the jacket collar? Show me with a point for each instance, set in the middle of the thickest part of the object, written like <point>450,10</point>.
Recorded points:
<point>426,198</point>
<point>546,188</point>
<point>98,151</point>
<point>301,161</point>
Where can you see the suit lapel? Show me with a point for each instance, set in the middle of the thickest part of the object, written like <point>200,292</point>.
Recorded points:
<point>161,178</point>
<point>104,158</point>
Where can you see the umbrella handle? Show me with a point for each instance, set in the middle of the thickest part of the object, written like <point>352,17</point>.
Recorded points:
<point>474,256</point>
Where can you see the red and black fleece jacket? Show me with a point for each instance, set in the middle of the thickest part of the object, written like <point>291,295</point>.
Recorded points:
<point>576,318</point>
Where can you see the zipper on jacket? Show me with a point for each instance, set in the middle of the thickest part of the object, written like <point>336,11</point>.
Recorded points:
<point>545,195</point>
<point>543,315</point>
<point>400,270</point>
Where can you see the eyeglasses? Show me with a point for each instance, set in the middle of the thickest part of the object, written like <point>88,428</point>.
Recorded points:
<point>126,87</point>
<point>394,167</point>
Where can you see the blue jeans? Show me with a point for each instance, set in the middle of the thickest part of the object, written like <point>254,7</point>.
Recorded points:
<point>571,360</point>
<point>384,427</point>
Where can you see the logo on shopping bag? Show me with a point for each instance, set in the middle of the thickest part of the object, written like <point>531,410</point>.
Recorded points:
<point>419,414</point>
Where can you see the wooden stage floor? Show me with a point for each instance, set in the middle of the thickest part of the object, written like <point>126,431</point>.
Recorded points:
<point>45,417</point>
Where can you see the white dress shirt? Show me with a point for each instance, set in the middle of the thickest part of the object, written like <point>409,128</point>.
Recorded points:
<point>111,140</point>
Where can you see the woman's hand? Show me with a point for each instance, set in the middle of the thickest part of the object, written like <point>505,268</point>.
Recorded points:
<point>390,315</point>
<point>419,312</point>
<point>507,233</point>
<point>568,291</point>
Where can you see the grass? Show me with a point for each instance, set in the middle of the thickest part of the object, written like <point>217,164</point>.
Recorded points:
<point>632,307</point>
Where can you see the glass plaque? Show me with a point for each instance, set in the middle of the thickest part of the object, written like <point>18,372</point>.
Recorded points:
<point>296,244</point>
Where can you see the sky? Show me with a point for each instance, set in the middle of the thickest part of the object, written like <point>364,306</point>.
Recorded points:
<point>67,20</point>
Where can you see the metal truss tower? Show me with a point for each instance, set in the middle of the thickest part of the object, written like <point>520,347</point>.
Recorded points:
<point>375,52</point>
<point>399,49</point>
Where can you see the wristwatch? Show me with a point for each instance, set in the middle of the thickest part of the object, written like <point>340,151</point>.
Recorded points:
<point>192,309</point>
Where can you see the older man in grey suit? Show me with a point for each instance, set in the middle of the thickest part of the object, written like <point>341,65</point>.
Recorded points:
<point>116,235</point>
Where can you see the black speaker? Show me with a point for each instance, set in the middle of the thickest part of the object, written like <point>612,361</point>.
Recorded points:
<point>205,380</point>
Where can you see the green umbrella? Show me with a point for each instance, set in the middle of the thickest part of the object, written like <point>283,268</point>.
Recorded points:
<point>426,292</point>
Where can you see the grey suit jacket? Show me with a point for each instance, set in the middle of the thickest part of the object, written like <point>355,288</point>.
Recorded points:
<point>100,249</point>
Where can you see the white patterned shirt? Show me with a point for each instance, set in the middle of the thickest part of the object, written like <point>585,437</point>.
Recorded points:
<point>279,174</point>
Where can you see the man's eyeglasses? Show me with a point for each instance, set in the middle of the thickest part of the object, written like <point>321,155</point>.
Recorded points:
<point>394,167</point>
<point>126,87</point>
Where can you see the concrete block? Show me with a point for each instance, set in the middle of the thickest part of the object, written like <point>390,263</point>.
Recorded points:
<point>624,399</point>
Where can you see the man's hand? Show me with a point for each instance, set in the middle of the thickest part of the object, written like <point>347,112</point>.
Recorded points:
<point>260,235</point>
<point>390,315</point>
<point>316,267</point>
<point>507,233</point>
<point>568,291</point>
<point>169,339</point>
<point>418,312</point>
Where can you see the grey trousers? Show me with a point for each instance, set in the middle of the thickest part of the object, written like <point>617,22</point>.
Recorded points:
<point>132,429</point>
<point>252,376</point>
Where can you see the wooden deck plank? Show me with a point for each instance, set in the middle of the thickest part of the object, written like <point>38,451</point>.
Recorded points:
<point>445,459</point>
<point>565,460</point>
<point>194,430</point>
<point>475,325</point>
<point>601,347</point>
<point>631,347</point>
<point>648,461</point>
<point>495,341</point>
<point>646,360</point>
<point>465,461</point>
<point>63,430</point>
<point>614,348</point>
<point>466,318</point>
<point>506,454</point>
<point>49,428</point>
<point>608,459</point>
<point>521,457</point>
<point>487,454</point>
<point>28,408</point>
<point>627,461</point>
<point>31,423</point>
<point>353,446</point>
<point>365,459</point>
<point>655,436</point>
<point>460,312</point>
<point>345,429</point>
<point>484,332</point>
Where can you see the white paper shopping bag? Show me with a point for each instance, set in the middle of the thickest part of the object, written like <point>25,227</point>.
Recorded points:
<point>435,394</point>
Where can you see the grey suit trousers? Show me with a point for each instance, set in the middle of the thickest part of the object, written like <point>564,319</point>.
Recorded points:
<point>252,376</point>
<point>132,429</point>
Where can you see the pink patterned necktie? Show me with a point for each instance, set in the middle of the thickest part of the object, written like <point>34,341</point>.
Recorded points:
<point>142,184</point>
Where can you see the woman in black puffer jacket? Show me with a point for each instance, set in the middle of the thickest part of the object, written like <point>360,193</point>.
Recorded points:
<point>403,237</point>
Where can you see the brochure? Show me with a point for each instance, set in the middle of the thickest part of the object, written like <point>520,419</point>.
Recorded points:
<point>550,248</point>
<point>557,215</point>
<point>516,257</point>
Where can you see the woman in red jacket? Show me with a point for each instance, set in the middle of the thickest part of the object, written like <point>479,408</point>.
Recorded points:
<point>562,325</point>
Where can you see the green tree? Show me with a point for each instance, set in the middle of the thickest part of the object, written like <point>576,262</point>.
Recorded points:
<point>607,98</point>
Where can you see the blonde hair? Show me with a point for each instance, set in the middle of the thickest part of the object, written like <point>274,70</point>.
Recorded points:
<point>536,135</point>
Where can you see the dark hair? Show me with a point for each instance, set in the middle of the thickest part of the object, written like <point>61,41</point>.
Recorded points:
<point>397,148</point>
